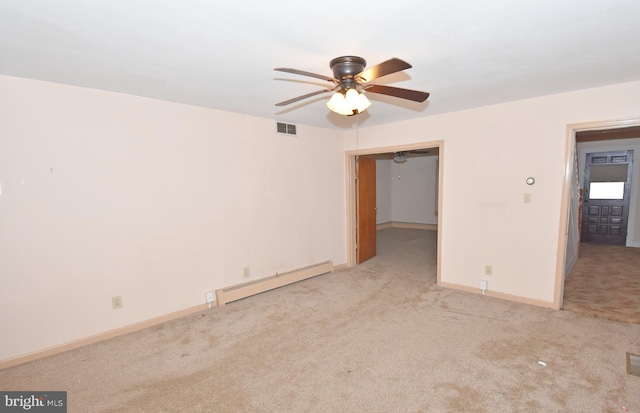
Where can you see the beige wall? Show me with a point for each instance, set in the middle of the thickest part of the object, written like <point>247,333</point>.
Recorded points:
<point>413,188</point>
<point>106,194</point>
<point>488,154</point>
<point>406,192</point>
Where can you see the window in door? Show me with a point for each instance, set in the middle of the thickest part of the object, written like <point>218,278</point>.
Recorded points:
<point>607,181</point>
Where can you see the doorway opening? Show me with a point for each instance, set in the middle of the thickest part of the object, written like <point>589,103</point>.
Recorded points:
<point>598,272</point>
<point>352,194</point>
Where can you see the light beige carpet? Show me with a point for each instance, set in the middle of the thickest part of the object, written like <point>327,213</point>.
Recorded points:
<point>377,338</point>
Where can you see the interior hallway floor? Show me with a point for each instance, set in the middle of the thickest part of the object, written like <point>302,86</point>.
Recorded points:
<point>605,283</point>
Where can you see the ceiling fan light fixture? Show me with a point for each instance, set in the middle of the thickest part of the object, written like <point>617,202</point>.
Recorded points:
<point>400,157</point>
<point>338,104</point>
<point>351,96</point>
<point>363,103</point>
<point>348,103</point>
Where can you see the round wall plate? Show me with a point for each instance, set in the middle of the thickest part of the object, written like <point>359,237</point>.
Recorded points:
<point>531,180</point>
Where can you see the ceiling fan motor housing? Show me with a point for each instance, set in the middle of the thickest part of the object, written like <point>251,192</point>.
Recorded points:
<point>345,68</point>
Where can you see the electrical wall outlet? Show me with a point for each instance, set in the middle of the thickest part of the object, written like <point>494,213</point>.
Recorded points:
<point>116,302</point>
<point>246,271</point>
<point>483,285</point>
<point>209,297</point>
<point>488,269</point>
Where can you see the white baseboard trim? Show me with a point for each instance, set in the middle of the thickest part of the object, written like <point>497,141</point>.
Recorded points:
<point>408,225</point>
<point>342,266</point>
<point>297,275</point>
<point>72,345</point>
<point>502,296</point>
<point>384,225</point>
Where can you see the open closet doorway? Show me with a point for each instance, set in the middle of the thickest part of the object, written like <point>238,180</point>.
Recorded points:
<point>384,156</point>
<point>602,262</point>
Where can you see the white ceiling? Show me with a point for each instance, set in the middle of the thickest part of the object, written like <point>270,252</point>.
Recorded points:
<point>221,54</point>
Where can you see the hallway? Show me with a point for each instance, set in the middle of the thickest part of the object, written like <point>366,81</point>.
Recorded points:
<point>605,283</point>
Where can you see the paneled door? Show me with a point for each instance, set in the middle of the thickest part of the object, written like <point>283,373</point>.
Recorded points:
<point>607,188</point>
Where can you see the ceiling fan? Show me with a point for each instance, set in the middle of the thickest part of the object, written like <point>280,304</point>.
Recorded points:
<point>403,156</point>
<point>350,79</point>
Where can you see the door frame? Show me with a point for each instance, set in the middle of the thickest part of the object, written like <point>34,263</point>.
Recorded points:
<point>350,187</point>
<point>567,186</point>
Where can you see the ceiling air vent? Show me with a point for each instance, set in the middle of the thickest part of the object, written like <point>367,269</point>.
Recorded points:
<point>286,128</point>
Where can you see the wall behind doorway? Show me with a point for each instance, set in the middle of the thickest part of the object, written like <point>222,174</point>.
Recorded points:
<point>383,191</point>
<point>406,192</point>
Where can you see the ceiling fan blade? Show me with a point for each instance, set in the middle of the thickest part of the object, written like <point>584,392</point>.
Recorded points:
<point>308,95</point>
<point>408,94</point>
<point>303,73</point>
<point>385,68</point>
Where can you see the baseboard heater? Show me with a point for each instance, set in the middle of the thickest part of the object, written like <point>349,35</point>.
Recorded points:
<point>239,291</point>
